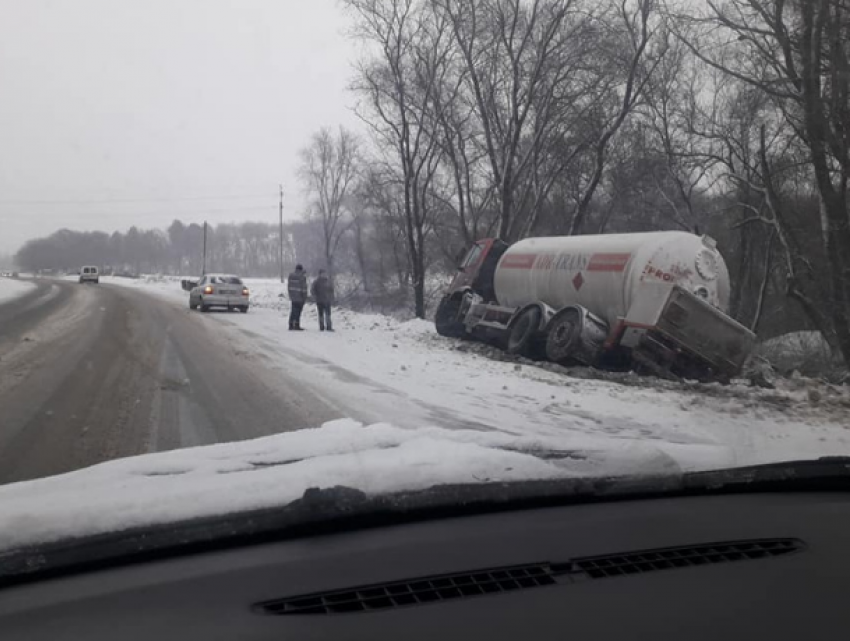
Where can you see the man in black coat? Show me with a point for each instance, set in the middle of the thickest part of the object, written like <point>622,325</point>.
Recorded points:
<point>323,293</point>
<point>297,288</point>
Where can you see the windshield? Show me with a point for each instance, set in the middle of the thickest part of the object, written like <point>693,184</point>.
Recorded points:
<point>249,249</point>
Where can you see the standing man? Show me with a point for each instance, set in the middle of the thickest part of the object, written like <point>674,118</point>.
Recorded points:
<point>323,293</point>
<point>297,287</point>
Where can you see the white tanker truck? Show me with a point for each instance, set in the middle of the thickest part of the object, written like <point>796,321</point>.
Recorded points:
<point>655,302</point>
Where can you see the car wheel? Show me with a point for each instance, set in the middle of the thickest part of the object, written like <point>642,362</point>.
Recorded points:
<point>204,308</point>
<point>192,305</point>
<point>244,309</point>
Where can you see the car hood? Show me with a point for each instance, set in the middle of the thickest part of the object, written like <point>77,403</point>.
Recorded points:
<point>273,471</point>
<point>340,477</point>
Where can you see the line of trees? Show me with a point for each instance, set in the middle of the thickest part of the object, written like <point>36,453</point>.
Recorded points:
<point>250,248</point>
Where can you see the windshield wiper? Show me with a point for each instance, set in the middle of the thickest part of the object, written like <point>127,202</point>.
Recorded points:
<point>823,474</point>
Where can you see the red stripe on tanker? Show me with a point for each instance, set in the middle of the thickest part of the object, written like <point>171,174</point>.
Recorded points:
<point>519,261</point>
<point>608,262</point>
<point>569,262</point>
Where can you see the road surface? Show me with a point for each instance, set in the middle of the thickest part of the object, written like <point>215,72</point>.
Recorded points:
<point>89,373</point>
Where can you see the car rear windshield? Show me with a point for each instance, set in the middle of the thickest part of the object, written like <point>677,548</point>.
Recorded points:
<point>226,280</point>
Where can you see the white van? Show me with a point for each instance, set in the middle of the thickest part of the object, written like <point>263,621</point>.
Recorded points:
<point>89,274</point>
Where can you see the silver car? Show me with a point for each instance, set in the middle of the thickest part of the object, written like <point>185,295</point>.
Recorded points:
<point>219,290</point>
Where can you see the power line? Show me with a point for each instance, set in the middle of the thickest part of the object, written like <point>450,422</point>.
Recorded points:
<point>268,195</point>
<point>134,214</point>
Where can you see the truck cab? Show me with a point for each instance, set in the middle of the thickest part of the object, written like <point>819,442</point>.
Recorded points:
<point>477,268</point>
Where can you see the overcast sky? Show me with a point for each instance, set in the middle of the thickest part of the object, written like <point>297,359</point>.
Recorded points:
<point>164,108</point>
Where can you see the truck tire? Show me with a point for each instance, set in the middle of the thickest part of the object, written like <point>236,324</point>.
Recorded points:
<point>446,318</point>
<point>576,336</point>
<point>523,331</point>
<point>564,336</point>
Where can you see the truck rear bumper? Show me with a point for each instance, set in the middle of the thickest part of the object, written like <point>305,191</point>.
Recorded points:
<point>688,337</point>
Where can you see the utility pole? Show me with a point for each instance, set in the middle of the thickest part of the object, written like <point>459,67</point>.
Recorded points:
<point>280,234</point>
<point>204,271</point>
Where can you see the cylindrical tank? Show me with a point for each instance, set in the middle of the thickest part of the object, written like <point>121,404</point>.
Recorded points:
<point>606,273</point>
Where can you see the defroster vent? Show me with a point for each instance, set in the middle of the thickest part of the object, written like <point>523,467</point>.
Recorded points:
<point>477,583</point>
<point>609,565</point>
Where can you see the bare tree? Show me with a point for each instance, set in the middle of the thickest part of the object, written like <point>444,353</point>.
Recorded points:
<point>329,168</point>
<point>398,86</point>
<point>797,53</point>
<point>515,57</point>
<point>639,50</point>
<point>550,82</point>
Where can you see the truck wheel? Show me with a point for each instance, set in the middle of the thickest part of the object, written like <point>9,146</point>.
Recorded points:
<point>564,336</point>
<point>446,318</point>
<point>522,332</point>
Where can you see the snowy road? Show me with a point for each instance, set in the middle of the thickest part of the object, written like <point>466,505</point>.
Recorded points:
<point>90,373</point>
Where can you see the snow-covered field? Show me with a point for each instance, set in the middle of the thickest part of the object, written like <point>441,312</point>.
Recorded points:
<point>11,288</point>
<point>422,410</point>
<point>386,370</point>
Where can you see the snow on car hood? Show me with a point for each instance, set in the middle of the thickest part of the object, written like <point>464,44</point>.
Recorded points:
<point>273,471</point>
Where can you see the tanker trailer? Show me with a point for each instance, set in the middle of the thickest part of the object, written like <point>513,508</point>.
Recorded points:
<point>656,302</point>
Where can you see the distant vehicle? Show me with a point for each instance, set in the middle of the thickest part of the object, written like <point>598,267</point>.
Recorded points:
<point>15,275</point>
<point>656,301</point>
<point>89,274</point>
<point>218,290</point>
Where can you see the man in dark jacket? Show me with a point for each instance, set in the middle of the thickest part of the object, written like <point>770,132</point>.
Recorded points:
<point>297,288</point>
<point>323,293</point>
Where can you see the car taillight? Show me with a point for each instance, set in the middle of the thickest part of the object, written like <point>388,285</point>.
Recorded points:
<point>208,289</point>
<point>245,291</point>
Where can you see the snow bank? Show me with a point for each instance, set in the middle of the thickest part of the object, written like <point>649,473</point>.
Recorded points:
<point>12,288</point>
<point>805,352</point>
<point>273,471</point>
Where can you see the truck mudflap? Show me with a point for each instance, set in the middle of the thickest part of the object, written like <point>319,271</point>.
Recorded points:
<point>700,336</point>
<point>447,319</point>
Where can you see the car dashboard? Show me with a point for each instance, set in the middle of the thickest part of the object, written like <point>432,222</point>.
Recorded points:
<point>772,566</point>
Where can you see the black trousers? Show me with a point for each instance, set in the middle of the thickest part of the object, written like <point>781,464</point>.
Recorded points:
<point>295,314</point>
<point>324,315</point>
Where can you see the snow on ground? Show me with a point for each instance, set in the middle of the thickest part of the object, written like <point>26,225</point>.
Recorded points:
<point>273,471</point>
<point>383,369</point>
<point>11,288</point>
<point>435,411</point>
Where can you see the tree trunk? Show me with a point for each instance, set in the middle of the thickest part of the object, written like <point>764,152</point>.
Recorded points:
<point>506,213</point>
<point>839,244</point>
